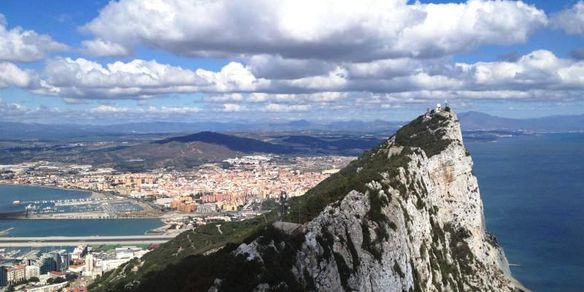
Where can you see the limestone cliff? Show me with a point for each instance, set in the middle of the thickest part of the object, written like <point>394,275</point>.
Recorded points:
<point>406,216</point>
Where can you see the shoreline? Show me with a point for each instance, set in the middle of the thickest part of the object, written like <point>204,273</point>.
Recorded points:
<point>44,186</point>
<point>88,192</point>
<point>84,194</point>
<point>78,218</point>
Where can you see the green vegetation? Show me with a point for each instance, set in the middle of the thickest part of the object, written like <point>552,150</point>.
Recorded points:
<point>424,134</point>
<point>277,250</point>
<point>182,263</point>
<point>269,204</point>
<point>452,272</point>
<point>189,243</point>
<point>368,167</point>
<point>57,280</point>
<point>376,215</point>
<point>110,247</point>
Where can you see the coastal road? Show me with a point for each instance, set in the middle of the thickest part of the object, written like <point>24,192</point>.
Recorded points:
<point>76,240</point>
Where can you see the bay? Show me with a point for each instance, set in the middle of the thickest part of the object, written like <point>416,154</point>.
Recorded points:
<point>57,227</point>
<point>532,189</point>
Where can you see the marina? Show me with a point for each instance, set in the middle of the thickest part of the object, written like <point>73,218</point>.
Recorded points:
<point>96,206</point>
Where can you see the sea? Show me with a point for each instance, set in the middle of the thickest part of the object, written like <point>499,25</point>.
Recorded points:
<point>532,187</point>
<point>533,193</point>
<point>67,227</point>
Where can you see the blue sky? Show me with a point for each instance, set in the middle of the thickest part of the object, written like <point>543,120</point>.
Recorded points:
<point>130,60</point>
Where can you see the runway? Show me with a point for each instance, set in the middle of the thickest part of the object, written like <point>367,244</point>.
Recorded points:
<point>76,240</point>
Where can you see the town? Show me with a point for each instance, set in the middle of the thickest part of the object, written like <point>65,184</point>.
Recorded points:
<point>232,190</point>
<point>210,188</point>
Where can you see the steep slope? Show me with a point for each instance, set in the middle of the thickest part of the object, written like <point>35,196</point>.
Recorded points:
<point>405,216</point>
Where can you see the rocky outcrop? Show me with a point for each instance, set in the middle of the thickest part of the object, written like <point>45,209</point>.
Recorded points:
<point>419,227</point>
<point>405,216</point>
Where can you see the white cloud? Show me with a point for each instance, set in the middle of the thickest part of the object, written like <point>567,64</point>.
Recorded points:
<point>235,84</point>
<point>303,29</point>
<point>19,45</point>
<point>11,75</point>
<point>230,97</point>
<point>110,109</point>
<point>174,109</point>
<point>104,108</point>
<point>539,69</point>
<point>288,98</point>
<point>233,107</point>
<point>101,48</point>
<point>285,108</point>
<point>81,78</point>
<point>570,20</point>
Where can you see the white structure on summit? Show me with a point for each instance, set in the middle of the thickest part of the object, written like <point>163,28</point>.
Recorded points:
<point>438,108</point>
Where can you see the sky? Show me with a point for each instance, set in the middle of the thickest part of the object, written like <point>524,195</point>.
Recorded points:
<point>103,62</point>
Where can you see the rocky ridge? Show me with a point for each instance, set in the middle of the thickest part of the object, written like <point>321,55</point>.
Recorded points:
<point>406,216</point>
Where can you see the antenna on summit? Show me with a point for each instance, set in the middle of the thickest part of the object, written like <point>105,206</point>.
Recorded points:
<point>446,106</point>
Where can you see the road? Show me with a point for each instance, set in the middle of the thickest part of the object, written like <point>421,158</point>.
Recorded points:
<point>76,240</point>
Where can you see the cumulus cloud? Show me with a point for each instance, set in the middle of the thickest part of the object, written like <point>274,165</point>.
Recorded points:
<point>571,20</point>
<point>302,29</point>
<point>540,69</point>
<point>233,107</point>
<point>15,108</point>
<point>150,110</point>
<point>261,97</point>
<point>101,48</point>
<point>81,78</point>
<point>12,75</point>
<point>285,108</point>
<point>236,84</point>
<point>19,45</point>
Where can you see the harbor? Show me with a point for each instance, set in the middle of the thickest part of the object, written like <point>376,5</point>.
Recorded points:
<point>97,206</point>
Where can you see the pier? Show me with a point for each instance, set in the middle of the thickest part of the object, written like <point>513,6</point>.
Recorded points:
<point>76,240</point>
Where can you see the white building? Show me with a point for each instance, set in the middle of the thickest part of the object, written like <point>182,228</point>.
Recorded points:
<point>127,252</point>
<point>89,263</point>
<point>108,265</point>
<point>165,202</point>
<point>32,271</point>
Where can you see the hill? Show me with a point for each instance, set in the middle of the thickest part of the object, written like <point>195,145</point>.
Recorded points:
<point>183,151</point>
<point>404,216</point>
<point>234,143</point>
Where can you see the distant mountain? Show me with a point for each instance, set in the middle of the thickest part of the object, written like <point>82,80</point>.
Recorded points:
<point>234,143</point>
<point>184,151</point>
<point>482,121</point>
<point>471,121</point>
<point>175,155</point>
<point>55,132</point>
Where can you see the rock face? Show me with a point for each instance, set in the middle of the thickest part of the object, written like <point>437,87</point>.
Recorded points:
<point>418,228</point>
<point>405,216</point>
